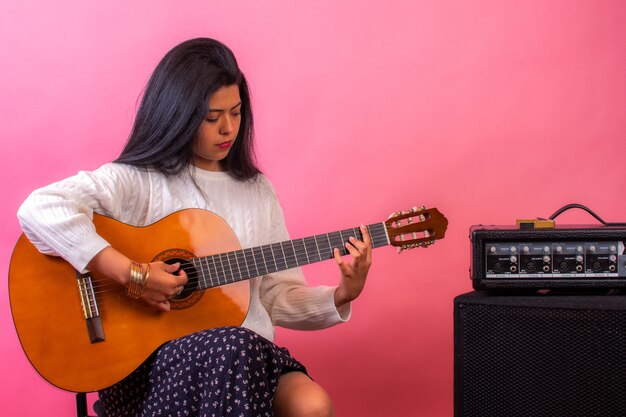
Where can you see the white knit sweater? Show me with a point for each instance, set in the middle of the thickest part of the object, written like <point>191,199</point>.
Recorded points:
<point>58,221</point>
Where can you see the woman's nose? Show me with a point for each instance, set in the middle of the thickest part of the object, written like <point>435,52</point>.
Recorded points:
<point>227,125</point>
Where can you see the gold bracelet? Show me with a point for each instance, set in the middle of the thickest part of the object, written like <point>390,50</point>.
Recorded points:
<point>135,274</point>
<point>145,280</point>
<point>136,284</point>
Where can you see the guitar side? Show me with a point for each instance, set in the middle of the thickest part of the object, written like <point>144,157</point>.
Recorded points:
<point>47,313</point>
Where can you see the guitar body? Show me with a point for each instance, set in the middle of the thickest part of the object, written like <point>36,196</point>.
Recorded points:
<point>49,319</point>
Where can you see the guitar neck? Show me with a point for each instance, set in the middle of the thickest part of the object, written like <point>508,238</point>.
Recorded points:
<point>228,267</point>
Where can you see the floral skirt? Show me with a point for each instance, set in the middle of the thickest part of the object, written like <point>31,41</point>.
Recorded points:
<point>228,371</point>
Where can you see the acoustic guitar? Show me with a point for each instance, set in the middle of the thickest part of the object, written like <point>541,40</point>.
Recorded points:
<point>83,333</point>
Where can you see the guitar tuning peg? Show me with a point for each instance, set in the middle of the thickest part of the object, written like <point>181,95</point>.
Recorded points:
<point>406,247</point>
<point>398,224</point>
<point>396,214</point>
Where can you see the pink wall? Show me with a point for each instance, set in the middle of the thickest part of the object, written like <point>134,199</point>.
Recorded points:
<point>488,110</point>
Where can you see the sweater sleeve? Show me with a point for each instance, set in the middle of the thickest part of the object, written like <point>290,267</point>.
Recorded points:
<point>286,296</point>
<point>57,218</point>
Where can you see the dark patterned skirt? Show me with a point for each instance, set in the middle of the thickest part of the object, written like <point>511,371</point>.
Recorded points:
<point>228,371</point>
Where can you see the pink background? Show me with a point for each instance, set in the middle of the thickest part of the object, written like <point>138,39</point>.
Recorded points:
<point>488,110</point>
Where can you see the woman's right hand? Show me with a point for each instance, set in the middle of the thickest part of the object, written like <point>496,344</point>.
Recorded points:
<point>165,281</point>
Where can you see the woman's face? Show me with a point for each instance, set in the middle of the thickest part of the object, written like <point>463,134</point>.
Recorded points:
<point>219,129</point>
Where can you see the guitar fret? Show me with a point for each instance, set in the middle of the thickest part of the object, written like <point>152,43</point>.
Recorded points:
<point>256,269</point>
<point>205,261</point>
<point>273,256</point>
<point>311,250</point>
<point>330,247</point>
<point>379,235</point>
<point>223,271</point>
<point>337,241</point>
<point>281,262</point>
<point>264,261</point>
<point>201,263</point>
<point>284,256</point>
<point>231,271</point>
<point>244,262</point>
<point>318,248</point>
<point>343,243</point>
<point>326,251</point>
<point>295,256</point>
<point>258,256</point>
<point>217,274</point>
<point>197,264</point>
<point>266,251</point>
<point>234,254</point>
<point>302,251</point>
<point>230,267</point>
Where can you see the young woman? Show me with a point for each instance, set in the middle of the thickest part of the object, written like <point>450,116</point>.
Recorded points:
<point>191,146</point>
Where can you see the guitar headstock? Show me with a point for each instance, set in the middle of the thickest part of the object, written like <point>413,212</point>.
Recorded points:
<point>417,227</point>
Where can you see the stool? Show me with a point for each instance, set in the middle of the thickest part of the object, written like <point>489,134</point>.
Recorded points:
<point>81,406</point>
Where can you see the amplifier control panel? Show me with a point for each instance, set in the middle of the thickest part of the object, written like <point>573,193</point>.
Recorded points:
<point>576,259</point>
<point>565,257</point>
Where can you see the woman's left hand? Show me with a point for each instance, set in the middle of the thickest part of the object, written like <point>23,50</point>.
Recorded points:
<point>353,274</point>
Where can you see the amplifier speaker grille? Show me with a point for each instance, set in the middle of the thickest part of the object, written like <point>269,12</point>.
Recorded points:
<point>543,355</point>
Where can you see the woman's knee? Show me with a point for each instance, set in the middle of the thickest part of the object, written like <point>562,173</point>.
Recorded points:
<point>298,396</point>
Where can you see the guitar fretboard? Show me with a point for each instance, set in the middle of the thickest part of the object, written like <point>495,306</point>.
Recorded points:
<point>228,267</point>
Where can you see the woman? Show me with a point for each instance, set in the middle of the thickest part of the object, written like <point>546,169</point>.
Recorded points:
<point>191,147</point>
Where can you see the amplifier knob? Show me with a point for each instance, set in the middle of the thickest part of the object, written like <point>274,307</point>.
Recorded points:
<point>492,249</point>
<point>579,258</point>
<point>613,249</point>
<point>559,249</point>
<point>579,249</point>
<point>513,259</point>
<point>546,249</point>
<point>612,258</point>
<point>592,249</point>
<point>513,249</point>
<point>546,259</point>
<point>526,249</point>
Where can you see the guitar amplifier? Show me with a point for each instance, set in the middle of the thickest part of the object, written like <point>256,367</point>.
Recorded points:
<point>548,355</point>
<point>564,257</point>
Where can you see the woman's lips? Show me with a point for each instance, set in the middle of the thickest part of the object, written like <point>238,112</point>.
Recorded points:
<point>224,145</point>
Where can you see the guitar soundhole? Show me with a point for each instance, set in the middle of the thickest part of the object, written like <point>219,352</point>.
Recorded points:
<point>190,294</point>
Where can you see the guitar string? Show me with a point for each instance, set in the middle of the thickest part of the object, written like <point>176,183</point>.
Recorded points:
<point>104,304</point>
<point>375,234</point>
<point>101,286</point>
<point>104,285</point>
<point>298,254</point>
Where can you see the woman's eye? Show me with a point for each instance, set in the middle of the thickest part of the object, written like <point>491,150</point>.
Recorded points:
<point>211,120</point>
<point>236,114</point>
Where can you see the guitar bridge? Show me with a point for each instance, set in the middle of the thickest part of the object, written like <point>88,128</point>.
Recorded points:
<point>90,308</point>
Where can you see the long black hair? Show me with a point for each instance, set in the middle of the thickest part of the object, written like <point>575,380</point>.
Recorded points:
<point>174,104</point>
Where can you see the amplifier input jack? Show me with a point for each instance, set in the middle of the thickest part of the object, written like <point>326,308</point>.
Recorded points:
<point>612,268</point>
<point>513,268</point>
<point>579,268</point>
<point>546,268</point>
